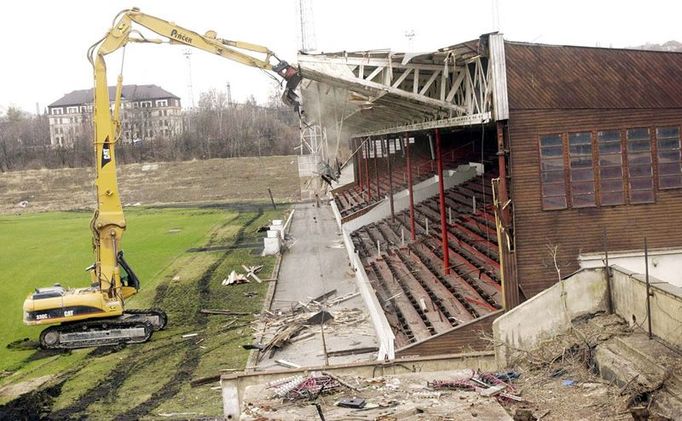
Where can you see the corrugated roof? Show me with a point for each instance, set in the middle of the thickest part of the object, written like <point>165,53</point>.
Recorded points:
<point>566,77</point>
<point>130,93</point>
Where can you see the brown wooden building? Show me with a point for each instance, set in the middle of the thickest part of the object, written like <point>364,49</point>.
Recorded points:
<point>583,145</point>
<point>594,141</point>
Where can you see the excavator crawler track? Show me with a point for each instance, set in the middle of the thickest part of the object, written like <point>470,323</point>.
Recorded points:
<point>155,316</point>
<point>96,333</point>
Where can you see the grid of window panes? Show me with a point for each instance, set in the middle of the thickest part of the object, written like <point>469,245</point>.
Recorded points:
<point>582,172</point>
<point>669,159</point>
<point>640,170</point>
<point>611,186</point>
<point>552,170</point>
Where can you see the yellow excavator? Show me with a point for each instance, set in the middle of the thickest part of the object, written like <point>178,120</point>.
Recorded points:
<point>97,315</point>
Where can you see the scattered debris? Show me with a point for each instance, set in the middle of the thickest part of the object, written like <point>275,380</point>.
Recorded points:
<point>355,403</point>
<point>319,318</point>
<point>189,335</point>
<point>287,364</point>
<point>252,271</point>
<point>235,278</point>
<point>253,346</point>
<point>309,387</point>
<point>223,312</point>
<point>352,351</point>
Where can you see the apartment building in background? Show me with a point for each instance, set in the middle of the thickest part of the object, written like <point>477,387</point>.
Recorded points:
<point>147,111</point>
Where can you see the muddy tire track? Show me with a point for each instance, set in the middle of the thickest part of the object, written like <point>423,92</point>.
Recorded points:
<point>192,357</point>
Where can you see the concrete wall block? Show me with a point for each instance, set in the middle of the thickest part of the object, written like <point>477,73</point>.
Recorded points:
<point>548,313</point>
<point>271,245</point>
<point>664,264</point>
<point>629,302</point>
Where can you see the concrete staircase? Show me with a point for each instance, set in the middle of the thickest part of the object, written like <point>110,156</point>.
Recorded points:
<point>646,369</point>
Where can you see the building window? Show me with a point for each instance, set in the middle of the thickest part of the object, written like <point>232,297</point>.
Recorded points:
<point>71,110</point>
<point>611,187</point>
<point>552,172</point>
<point>146,104</point>
<point>582,172</point>
<point>57,111</point>
<point>161,102</point>
<point>669,158</point>
<point>640,165</point>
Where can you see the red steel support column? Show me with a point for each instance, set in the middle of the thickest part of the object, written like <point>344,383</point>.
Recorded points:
<point>441,193</point>
<point>368,180</point>
<point>390,176</point>
<point>358,157</point>
<point>376,167</point>
<point>502,166</point>
<point>409,186</point>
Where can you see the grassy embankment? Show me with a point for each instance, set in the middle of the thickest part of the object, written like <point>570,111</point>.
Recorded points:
<point>153,378</point>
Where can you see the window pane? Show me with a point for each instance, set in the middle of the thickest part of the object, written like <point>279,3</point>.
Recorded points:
<point>611,172</point>
<point>609,147</point>
<point>554,202</point>
<point>640,165</point>
<point>552,172</point>
<point>583,200</point>
<point>639,145</point>
<point>670,181</point>
<point>642,196</point>
<point>581,162</point>
<point>608,136</point>
<point>640,170</point>
<point>668,156</point>
<point>612,198</point>
<point>668,144</point>
<point>582,188</point>
<point>551,140</point>
<point>638,134</point>
<point>610,160</point>
<point>614,185</point>
<point>582,174</point>
<point>669,159</point>
<point>640,159</point>
<point>552,165</point>
<point>641,183</point>
<point>551,151</point>
<point>554,189</point>
<point>667,132</point>
<point>553,176</point>
<point>669,168</point>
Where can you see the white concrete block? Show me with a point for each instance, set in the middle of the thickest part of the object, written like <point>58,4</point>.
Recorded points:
<point>271,246</point>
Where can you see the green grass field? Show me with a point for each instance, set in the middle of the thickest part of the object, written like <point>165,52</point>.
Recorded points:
<point>139,380</point>
<point>39,250</point>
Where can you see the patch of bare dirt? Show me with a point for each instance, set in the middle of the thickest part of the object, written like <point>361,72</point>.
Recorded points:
<point>232,180</point>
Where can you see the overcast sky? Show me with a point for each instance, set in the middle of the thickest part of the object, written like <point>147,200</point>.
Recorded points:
<point>44,42</point>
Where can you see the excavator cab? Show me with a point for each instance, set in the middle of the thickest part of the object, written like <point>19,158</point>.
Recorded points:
<point>128,277</point>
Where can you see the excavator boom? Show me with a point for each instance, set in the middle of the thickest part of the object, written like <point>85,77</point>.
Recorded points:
<point>97,315</point>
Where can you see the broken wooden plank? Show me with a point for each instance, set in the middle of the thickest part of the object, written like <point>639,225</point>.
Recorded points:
<point>223,312</point>
<point>353,351</point>
<point>287,364</point>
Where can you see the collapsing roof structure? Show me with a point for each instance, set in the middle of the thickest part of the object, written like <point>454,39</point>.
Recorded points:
<point>377,92</point>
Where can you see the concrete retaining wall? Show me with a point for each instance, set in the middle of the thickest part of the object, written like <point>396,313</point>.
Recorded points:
<point>629,302</point>
<point>664,264</point>
<point>385,336</point>
<point>548,313</point>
